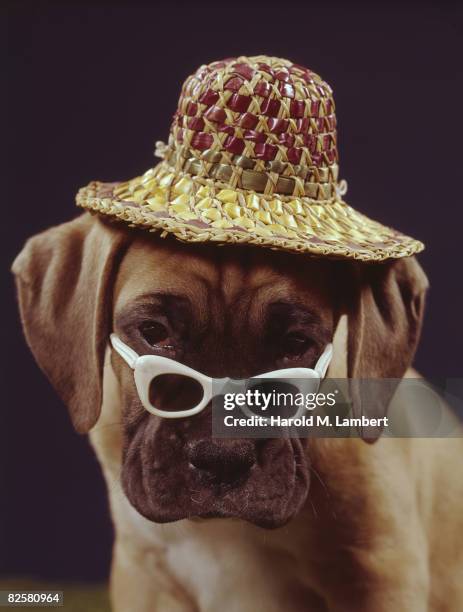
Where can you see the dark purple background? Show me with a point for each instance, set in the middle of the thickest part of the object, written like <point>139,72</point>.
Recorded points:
<point>91,87</point>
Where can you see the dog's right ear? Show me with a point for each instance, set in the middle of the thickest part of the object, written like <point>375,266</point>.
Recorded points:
<point>64,278</point>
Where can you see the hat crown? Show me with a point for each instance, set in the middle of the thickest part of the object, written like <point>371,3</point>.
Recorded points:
<point>259,123</point>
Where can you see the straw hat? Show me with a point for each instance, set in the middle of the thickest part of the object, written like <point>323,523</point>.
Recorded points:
<point>251,158</point>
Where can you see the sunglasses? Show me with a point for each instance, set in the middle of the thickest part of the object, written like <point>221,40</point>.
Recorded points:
<point>172,390</point>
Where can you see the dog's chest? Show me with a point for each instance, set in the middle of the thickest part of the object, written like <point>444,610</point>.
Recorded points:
<point>232,567</point>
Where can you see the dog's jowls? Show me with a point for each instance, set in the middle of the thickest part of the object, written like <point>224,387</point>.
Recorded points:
<point>357,521</point>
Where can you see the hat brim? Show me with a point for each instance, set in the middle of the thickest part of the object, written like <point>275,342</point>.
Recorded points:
<point>192,210</point>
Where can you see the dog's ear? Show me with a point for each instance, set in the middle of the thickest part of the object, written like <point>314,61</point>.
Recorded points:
<point>384,323</point>
<point>64,278</point>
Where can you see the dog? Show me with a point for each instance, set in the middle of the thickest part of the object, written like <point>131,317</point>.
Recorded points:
<point>205,524</point>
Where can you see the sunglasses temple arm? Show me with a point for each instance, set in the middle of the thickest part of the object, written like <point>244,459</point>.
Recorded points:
<point>324,361</point>
<point>127,354</point>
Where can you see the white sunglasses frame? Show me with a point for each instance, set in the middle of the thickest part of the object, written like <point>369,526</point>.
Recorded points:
<point>147,367</point>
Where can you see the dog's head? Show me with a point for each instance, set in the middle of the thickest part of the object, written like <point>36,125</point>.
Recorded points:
<point>229,311</point>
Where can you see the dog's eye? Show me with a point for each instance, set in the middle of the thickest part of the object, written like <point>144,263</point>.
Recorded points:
<point>154,332</point>
<point>294,344</point>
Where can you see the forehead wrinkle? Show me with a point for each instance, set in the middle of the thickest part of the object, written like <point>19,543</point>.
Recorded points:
<point>232,279</point>
<point>241,271</point>
<point>251,302</point>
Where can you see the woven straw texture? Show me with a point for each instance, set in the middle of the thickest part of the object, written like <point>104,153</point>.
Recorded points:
<point>251,158</point>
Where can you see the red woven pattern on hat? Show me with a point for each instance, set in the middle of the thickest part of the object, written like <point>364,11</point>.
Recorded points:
<point>263,108</point>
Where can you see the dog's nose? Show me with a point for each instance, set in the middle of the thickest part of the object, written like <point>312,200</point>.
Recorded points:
<point>225,461</point>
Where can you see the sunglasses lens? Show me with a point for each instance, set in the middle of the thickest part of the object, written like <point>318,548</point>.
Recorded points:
<point>175,392</point>
<point>280,398</point>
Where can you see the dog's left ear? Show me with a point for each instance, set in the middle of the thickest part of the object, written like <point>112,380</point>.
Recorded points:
<point>65,278</point>
<point>384,324</point>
